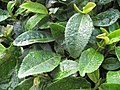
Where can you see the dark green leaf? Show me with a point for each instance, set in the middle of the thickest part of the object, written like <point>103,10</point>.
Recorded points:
<point>103,2</point>
<point>111,64</point>
<point>57,32</point>
<point>106,18</point>
<point>69,83</point>
<point>3,15</point>
<point>89,61</point>
<point>113,27</point>
<point>26,84</point>
<point>78,31</point>
<point>94,76</point>
<point>34,7</point>
<point>31,37</point>
<point>38,62</point>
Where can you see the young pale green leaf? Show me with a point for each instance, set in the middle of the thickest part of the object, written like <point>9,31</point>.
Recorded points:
<point>103,2</point>
<point>3,15</point>
<point>94,76</point>
<point>111,64</point>
<point>67,68</point>
<point>106,18</point>
<point>38,62</point>
<point>10,6</point>
<point>34,7</point>
<point>33,21</point>
<point>25,84</point>
<point>89,61</point>
<point>106,86</point>
<point>31,37</point>
<point>113,77</point>
<point>114,36</point>
<point>69,84</point>
<point>89,7</point>
<point>117,51</point>
<point>77,33</point>
<point>57,31</point>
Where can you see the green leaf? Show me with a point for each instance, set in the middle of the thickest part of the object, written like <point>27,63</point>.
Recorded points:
<point>3,15</point>
<point>19,11</point>
<point>103,2</point>
<point>106,86</point>
<point>94,76</point>
<point>69,83</point>
<point>113,77</point>
<point>77,33</point>
<point>10,6</point>
<point>38,62</point>
<point>89,61</point>
<point>114,36</point>
<point>113,27</point>
<point>26,84</point>
<point>117,51</point>
<point>34,7</point>
<point>57,31</point>
<point>89,7</point>
<point>33,21</point>
<point>2,49</point>
<point>111,64</point>
<point>31,37</point>
<point>118,2</point>
<point>6,69</point>
<point>106,18</point>
<point>67,68</point>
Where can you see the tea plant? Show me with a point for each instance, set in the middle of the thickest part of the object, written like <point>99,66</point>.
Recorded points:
<point>60,45</point>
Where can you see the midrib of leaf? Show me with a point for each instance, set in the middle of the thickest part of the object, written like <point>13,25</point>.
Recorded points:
<point>39,65</point>
<point>93,56</point>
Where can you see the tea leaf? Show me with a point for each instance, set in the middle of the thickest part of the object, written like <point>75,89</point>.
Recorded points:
<point>31,37</point>
<point>113,77</point>
<point>106,18</point>
<point>117,51</point>
<point>34,7</point>
<point>77,33</point>
<point>89,61</point>
<point>38,62</point>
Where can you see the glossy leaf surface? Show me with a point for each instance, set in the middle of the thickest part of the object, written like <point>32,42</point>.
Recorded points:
<point>31,37</point>
<point>106,18</point>
<point>67,67</point>
<point>33,21</point>
<point>38,62</point>
<point>89,61</point>
<point>77,33</point>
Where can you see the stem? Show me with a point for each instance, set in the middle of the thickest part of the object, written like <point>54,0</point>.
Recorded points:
<point>97,84</point>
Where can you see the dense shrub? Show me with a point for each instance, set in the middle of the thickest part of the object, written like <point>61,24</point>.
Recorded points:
<point>59,45</point>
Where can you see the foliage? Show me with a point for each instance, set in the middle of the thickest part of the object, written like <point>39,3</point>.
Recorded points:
<point>60,45</point>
